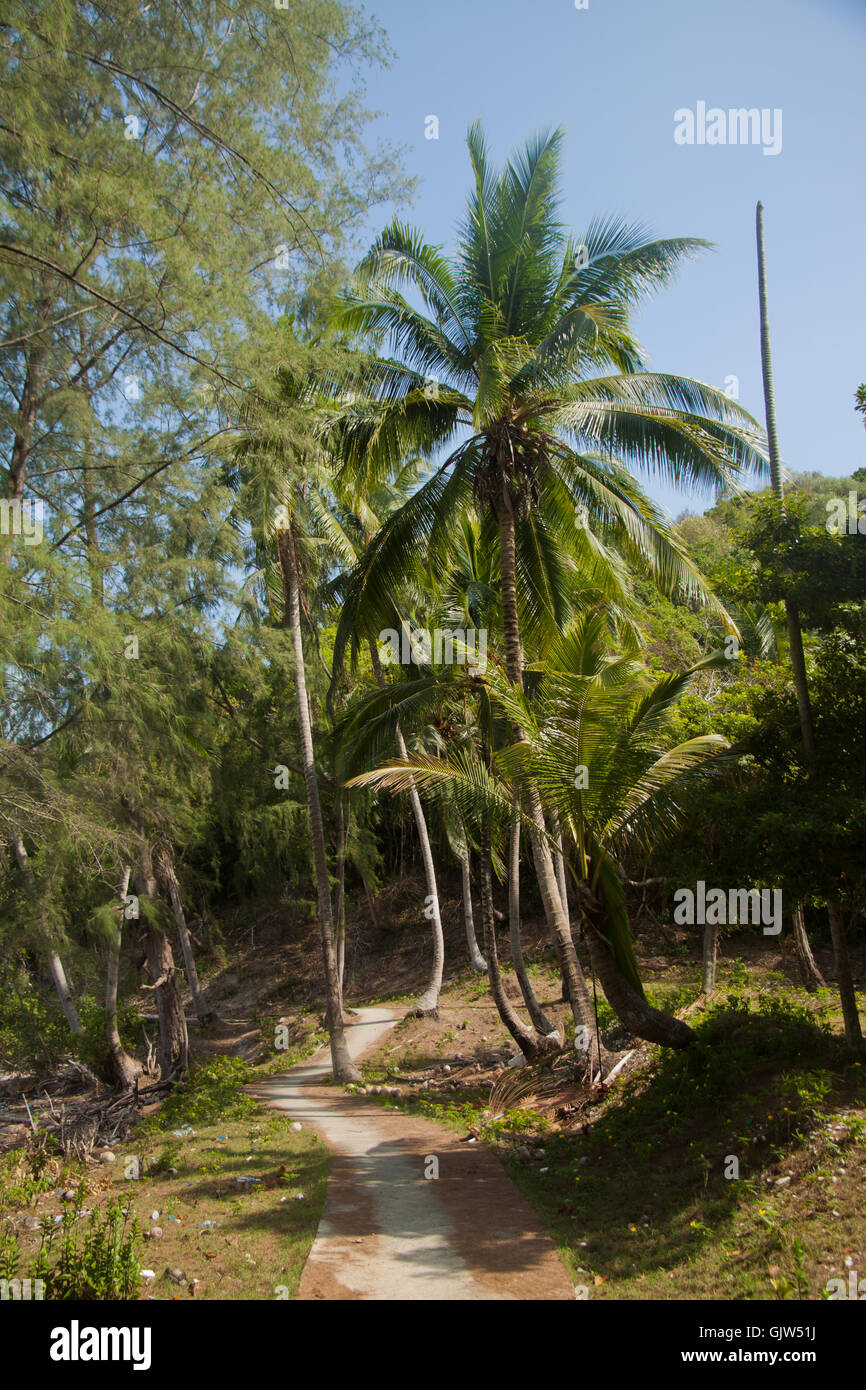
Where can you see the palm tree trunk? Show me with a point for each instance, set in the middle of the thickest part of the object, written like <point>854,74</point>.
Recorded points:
<point>631,1008</point>
<point>809,973</point>
<point>55,964</point>
<point>124,1067</point>
<point>795,636</point>
<point>477,960</point>
<point>557,921</point>
<point>795,642</point>
<point>428,1003</point>
<point>539,1021</point>
<point>559,861</point>
<point>340,894</point>
<point>844,977</point>
<point>343,1067</point>
<point>531,1043</point>
<point>167,870</point>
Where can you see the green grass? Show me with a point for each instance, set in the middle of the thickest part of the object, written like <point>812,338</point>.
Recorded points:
<point>641,1208</point>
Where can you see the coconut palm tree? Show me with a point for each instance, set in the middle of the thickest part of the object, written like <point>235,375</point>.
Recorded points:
<point>598,710</point>
<point>361,520</point>
<point>519,364</point>
<point>282,481</point>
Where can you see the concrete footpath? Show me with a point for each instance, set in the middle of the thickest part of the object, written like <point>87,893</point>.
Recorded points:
<point>387,1231</point>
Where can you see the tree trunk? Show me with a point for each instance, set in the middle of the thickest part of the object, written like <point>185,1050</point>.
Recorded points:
<point>124,1067</point>
<point>23,423</point>
<point>844,977</point>
<point>343,1067</point>
<point>340,894</point>
<point>64,994</point>
<point>711,950</point>
<point>638,1016</point>
<point>792,617</point>
<point>809,973</point>
<point>557,921</point>
<point>531,1043</point>
<point>539,1021</point>
<point>166,869</point>
<point>559,862</point>
<point>795,636</point>
<point>173,1037</point>
<point>477,960</point>
<point>55,964</point>
<point>428,1003</point>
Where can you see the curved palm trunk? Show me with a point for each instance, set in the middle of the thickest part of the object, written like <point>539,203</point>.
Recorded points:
<point>428,1003</point>
<point>531,1043</point>
<point>635,1012</point>
<point>559,861</point>
<point>343,1066</point>
<point>477,960</point>
<point>124,1067</point>
<point>55,964</point>
<point>539,1020</point>
<point>557,921</point>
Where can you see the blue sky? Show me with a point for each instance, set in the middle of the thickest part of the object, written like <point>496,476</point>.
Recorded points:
<point>613,75</point>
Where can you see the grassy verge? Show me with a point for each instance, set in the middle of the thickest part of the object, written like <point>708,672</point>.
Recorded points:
<point>219,1196</point>
<point>731,1170</point>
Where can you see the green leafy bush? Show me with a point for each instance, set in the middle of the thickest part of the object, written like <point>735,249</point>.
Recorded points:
<point>212,1092</point>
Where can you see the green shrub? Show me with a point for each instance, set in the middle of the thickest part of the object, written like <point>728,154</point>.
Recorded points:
<point>212,1092</point>
<point>99,1262</point>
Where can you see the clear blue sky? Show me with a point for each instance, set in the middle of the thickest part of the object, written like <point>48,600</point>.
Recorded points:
<point>613,76</point>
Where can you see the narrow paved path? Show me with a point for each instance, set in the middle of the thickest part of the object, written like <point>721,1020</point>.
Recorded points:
<point>389,1232</point>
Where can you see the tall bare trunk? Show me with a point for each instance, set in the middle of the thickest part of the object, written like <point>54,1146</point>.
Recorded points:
<point>536,1013</point>
<point>559,861</point>
<point>167,872</point>
<point>477,960</point>
<point>795,642</point>
<point>173,1036</point>
<point>340,894</point>
<point>711,950</point>
<point>531,1043</point>
<point>809,973</point>
<point>343,1066</point>
<point>428,1003</point>
<point>64,993</point>
<point>125,1068</point>
<point>55,964</point>
<point>557,921</point>
<point>844,977</point>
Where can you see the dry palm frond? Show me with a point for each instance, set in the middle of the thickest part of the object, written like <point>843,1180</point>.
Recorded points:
<point>528,1084</point>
